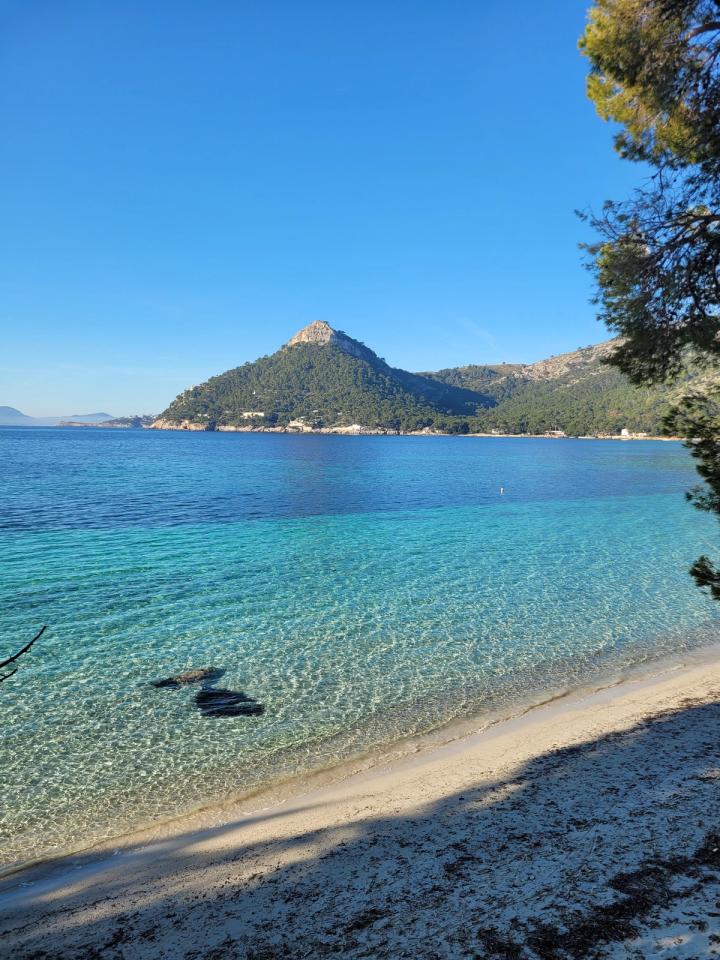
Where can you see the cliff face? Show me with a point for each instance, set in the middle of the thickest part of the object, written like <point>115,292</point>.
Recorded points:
<point>322,334</point>
<point>163,423</point>
<point>579,363</point>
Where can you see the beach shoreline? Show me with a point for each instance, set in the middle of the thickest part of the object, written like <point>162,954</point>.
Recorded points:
<point>358,430</point>
<point>199,854</point>
<point>286,788</point>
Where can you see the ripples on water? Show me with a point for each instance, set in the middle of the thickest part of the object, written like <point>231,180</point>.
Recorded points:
<point>363,589</point>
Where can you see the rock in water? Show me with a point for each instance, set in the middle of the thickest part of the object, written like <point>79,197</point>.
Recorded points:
<point>227,703</point>
<point>206,675</point>
<point>212,702</point>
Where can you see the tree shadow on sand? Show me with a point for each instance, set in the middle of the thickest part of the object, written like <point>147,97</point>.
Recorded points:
<point>570,855</point>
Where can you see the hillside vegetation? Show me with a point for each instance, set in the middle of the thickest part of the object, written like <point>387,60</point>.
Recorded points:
<point>323,379</point>
<point>574,392</point>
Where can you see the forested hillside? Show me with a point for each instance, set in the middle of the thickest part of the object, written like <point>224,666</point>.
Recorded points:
<point>324,379</point>
<point>575,392</point>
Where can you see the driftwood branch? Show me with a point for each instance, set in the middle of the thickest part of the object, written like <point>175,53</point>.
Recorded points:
<point>16,656</point>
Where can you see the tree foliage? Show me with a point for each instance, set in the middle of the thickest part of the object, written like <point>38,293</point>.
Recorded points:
<point>603,403</point>
<point>655,71</point>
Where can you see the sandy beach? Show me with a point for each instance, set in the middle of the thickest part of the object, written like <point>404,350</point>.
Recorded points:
<point>585,828</point>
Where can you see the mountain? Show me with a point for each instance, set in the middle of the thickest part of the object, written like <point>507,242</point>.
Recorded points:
<point>575,392</point>
<point>321,378</point>
<point>10,417</point>
<point>88,417</point>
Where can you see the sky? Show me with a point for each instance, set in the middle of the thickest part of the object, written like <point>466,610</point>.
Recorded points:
<point>184,184</point>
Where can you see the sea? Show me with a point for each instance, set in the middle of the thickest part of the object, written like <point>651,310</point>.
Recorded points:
<point>364,590</point>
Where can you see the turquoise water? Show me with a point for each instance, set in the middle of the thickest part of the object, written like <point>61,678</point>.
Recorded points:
<point>362,588</point>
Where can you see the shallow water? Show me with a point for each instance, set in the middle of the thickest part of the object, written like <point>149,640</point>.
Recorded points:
<point>362,588</point>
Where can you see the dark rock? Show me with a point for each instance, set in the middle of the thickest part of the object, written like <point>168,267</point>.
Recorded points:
<point>227,703</point>
<point>212,702</point>
<point>206,675</point>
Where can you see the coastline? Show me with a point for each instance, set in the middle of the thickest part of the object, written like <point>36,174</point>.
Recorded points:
<point>320,817</point>
<point>357,430</point>
<point>287,787</point>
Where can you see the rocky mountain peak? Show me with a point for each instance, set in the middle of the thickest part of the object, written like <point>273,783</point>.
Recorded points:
<point>320,333</point>
<point>316,332</point>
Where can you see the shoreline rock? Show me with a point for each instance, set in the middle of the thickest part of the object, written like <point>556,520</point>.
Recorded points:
<point>358,430</point>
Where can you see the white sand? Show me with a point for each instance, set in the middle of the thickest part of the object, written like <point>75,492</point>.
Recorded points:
<point>584,828</point>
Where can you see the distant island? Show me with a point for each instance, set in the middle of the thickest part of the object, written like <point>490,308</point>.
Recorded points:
<point>137,422</point>
<point>11,417</point>
<point>322,380</point>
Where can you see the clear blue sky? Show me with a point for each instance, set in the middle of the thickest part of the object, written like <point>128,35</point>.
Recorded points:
<point>184,184</point>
